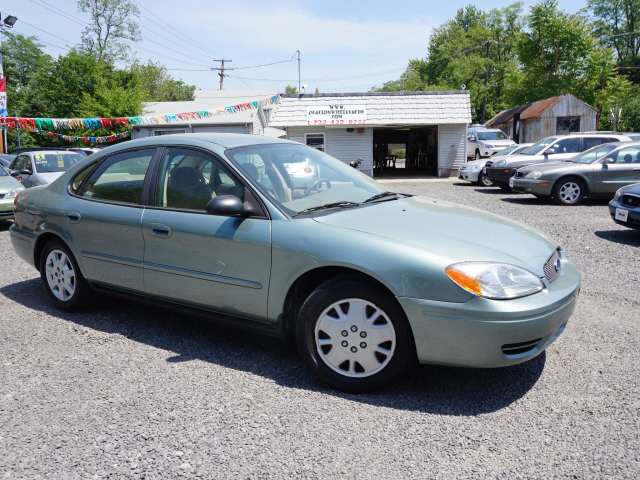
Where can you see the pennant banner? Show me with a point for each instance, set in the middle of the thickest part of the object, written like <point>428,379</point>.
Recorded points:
<point>69,138</point>
<point>33,124</point>
<point>3,97</point>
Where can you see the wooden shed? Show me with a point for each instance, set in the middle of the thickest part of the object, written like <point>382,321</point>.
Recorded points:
<point>552,116</point>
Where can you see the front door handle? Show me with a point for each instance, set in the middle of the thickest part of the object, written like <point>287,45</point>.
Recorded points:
<point>160,230</point>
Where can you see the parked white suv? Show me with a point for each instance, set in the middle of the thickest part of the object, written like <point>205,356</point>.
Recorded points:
<point>484,142</point>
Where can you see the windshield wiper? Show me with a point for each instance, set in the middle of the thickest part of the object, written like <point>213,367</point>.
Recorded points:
<point>341,204</point>
<point>384,194</point>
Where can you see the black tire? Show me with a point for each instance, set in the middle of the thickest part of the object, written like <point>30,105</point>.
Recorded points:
<point>569,191</point>
<point>484,181</point>
<point>478,156</point>
<point>82,296</point>
<point>389,368</point>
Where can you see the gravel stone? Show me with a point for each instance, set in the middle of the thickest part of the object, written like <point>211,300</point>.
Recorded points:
<point>126,391</point>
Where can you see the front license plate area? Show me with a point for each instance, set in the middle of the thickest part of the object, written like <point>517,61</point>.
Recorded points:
<point>511,180</point>
<point>484,170</point>
<point>622,214</point>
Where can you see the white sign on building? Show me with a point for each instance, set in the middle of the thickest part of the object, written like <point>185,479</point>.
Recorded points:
<point>337,114</point>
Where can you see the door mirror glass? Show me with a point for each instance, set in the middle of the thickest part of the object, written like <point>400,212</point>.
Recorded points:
<point>225,206</point>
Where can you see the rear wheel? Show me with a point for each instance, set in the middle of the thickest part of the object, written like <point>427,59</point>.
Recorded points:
<point>353,336</point>
<point>569,191</point>
<point>62,280</point>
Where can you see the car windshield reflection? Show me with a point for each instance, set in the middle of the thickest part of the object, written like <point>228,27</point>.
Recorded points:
<point>592,154</point>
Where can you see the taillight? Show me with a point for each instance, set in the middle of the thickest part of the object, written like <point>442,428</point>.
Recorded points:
<point>15,202</point>
<point>307,170</point>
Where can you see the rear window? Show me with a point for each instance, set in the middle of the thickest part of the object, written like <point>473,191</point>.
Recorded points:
<point>55,162</point>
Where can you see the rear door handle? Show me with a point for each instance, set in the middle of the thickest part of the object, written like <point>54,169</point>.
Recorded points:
<point>73,217</point>
<point>160,230</point>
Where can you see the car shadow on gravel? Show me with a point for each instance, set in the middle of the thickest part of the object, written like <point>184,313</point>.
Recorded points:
<point>624,237</point>
<point>494,191</point>
<point>425,388</point>
<point>5,225</point>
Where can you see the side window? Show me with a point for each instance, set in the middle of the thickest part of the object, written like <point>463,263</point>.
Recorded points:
<point>15,164</point>
<point>568,145</point>
<point>627,155</point>
<point>77,180</point>
<point>120,177</point>
<point>590,142</point>
<point>26,164</point>
<point>189,179</point>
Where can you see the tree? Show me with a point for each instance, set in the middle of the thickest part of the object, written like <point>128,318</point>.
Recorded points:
<point>290,90</point>
<point>159,86</point>
<point>558,55</point>
<point>112,24</point>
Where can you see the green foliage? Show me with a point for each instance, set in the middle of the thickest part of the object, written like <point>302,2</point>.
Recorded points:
<point>112,23</point>
<point>159,86</point>
<point>290,90</point>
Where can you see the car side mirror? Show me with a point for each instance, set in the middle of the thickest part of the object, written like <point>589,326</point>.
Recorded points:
<point>24,171</point>
<point>14,173</point>
<point>225,206</point>
<point>471,138</point>
<point>549,151</point>
<point>607,161</point>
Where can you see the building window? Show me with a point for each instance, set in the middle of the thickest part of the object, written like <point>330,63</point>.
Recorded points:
<point>157,133</point>
<point>315,140</point>
<point>566,125</point>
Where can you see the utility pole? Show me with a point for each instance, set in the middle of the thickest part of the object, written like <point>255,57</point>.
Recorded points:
<point>8,22</point>
<point>488,43</point>
<point>298,71</point>
<point>222,69</point>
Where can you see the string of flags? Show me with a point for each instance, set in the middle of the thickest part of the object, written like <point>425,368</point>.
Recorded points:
<point>32,124</point>
<point>69,138</point>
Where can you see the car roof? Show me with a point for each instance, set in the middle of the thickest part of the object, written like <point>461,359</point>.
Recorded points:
<point>621,136</point>
<point>49,152</point>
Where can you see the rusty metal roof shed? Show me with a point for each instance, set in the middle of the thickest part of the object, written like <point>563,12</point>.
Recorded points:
<point>531,110</point>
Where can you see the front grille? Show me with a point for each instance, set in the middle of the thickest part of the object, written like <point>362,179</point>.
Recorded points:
<point>514,350</point>
<point>629,200</point>
<point>488,164</point>
<point>552,267</point>
<point>519,174</point>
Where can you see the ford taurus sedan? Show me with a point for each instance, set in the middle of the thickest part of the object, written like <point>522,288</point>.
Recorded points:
<point>625,206</point>
<point>365,280</point>
<point>598,172</point>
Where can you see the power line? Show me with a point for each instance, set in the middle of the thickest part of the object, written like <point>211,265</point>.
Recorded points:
<point>352,77</point>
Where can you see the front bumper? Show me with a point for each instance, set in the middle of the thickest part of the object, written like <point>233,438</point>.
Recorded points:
<point>534,187</point>
<point>6,209</point>
<point>500,176</point>
<point>469,175</point>
<point>487,333</point>
<point>633,219</point>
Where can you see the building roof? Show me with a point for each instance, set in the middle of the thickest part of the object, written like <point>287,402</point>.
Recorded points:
<point>383,108</point>
<point>530,110</point>
<point>212,100</point>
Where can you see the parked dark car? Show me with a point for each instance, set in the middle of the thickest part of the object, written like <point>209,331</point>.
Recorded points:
<point>625,206</point>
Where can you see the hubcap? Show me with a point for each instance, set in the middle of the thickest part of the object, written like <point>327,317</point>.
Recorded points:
<point>348,354</point>
<point>60,274</point>
<point>570,192</point>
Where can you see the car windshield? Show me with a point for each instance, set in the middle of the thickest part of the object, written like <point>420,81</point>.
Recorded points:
<point>592,154</point>
<point>506,151</point>
<point>538,147</point>
<point>492,136</point>
<point>323,180</point>
<point>55,162</point>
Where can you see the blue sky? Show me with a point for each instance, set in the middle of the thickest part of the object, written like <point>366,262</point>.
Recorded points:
<point>342,42</point>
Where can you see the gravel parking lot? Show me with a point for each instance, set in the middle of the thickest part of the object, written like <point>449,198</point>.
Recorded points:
<point>124,391</point>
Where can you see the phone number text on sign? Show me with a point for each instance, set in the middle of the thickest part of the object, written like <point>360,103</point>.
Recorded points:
<point>334,122</point>
<point>336,115</point>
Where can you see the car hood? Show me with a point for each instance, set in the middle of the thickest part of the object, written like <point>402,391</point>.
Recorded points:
<point>50,176</point>
<point>553,166</point>
<point>465,233</point>
<point>8,183</point>
<point>515,160</point>
<point>475,162</point>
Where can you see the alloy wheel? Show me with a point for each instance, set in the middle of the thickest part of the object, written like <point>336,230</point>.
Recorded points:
<point>60,275</point>
<point>355,338</point>
<point>570,192</point>
<point>485,180</point>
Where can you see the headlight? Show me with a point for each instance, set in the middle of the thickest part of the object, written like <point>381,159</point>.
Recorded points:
<point>499,163</point>
<point>14,193</point>
<point>617,195</point>
<point>494,280</point>
<point>475,167</point>
<point>488,145</point>
<point>533,175</point>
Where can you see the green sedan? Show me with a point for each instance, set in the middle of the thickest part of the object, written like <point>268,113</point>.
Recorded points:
<point>9,190</point>
<point>598,172</point>
<point>364,280</point>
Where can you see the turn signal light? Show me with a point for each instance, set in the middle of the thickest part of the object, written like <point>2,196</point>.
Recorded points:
<point>465,281</point>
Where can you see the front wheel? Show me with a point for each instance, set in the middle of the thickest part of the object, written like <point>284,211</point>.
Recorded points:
<point>569,191</point>
<point>478,156</point>
<point>353,336</point>
<point>484,181</point>
<point>63,282</point>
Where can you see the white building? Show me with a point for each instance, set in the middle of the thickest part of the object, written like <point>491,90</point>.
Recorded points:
<point>432,126</point>
<point>252,122</point>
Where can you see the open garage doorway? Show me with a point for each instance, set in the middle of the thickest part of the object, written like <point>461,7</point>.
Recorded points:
<point>405,151</point>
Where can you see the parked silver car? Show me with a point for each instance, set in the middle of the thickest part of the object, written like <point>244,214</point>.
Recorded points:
<point>473,171</point>
<point>42,167</point>
<point>484,142</point>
